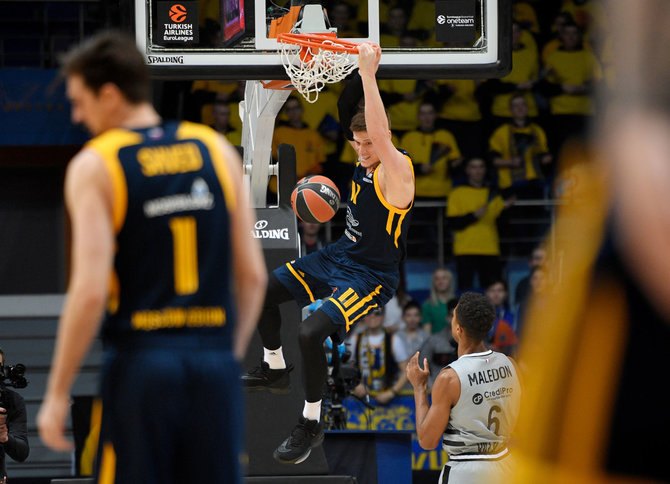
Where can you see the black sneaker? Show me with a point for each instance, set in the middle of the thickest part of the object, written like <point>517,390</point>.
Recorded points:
<point>304,437</point>
<point>263,378</point>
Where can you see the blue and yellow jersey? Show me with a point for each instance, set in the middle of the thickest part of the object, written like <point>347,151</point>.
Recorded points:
<point>376,233</point>
<point>172,198</point>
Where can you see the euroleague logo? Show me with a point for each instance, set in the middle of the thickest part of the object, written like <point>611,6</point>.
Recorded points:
<point>177,13</point>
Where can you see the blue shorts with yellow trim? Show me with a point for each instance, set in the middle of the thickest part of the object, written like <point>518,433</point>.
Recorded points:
<point>349,289</point>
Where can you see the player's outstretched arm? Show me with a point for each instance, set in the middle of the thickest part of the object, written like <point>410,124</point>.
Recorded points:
<point>396,176</point>
<point>88,195</point>
<point>432,420</point>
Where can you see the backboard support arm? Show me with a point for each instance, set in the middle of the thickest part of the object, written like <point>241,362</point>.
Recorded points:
<point>258,112</point>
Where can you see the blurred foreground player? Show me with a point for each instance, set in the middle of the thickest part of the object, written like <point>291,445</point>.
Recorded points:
<point>356,274</point>
<point>161,234</point>
<point>475,398</point>
<point>597,350</point>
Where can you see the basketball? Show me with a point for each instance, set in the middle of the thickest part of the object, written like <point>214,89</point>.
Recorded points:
<point>315,199</point>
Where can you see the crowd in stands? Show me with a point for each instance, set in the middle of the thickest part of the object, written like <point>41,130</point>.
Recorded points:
<point>516,126</point>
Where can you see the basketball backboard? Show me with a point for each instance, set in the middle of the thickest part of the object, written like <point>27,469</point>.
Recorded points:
<point>235,39</point>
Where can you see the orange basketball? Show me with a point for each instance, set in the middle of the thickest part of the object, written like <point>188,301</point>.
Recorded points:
<point>315,199</point>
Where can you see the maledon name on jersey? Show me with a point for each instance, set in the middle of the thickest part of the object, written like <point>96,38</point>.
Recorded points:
<point>482,420</point>
<point>173,195</point>
<point>376,232</point>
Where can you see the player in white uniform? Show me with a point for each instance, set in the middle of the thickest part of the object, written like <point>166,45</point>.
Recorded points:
<point>475,400</point>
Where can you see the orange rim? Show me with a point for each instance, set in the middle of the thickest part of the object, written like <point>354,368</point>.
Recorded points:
<point>317,41</point>
<point>280,85</point>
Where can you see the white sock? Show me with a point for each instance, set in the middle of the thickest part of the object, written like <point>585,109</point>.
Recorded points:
<point>274,358</point>
<point>312,410</point>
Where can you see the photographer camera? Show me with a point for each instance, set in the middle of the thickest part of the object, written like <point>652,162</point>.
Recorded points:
<point>341,382</point>
<point>13,420</point>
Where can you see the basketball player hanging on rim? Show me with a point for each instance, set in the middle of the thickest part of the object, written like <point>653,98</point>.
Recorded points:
<point>355,275</point>
<point>475,400</point>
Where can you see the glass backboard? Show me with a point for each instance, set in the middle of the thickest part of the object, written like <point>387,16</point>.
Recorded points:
<point>235,39</point>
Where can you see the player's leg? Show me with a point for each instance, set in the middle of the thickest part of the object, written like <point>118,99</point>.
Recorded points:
<point>308,434</point>
<point>291,281</point>
<point>312,334</point>
<point>141,401</point>
<point>211,447</point>
<point>358,291</point>
<point>272,373</point>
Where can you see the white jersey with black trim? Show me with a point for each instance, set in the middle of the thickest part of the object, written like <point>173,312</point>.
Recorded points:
<point>481,422</point>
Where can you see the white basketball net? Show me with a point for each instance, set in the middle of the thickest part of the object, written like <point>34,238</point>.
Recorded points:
<point>309,75</point>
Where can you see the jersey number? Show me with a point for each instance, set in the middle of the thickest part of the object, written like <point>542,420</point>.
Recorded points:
<point>185,248</point>
<point>494,421</point>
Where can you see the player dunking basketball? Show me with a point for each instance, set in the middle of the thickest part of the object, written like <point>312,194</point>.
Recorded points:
<point>354,275</point>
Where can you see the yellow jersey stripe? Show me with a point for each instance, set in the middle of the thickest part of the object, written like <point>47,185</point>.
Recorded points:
<point>378,190</point>
<point>114,292</point>
<point>108,465</point>
<point>345,294</point>
<point>398,229</point>
<point>301,280</point>
<point>344,313</point>
<point>363,301</point>
<point>363,313</point>
<point>389,222</point>
<point>350,301</point>
<point>354,191</point>
<point>88,453</point>
<point>107,146</point>
<point>211,139</point>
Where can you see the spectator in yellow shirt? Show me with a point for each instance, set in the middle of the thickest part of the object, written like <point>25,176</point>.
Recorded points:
<point>435,155</point>
<point>572,74</point>
<point>472,211</point>
<point>521,80</point>
<point>221,115</point>
<point>519,151</point>
<point>458,112</point>
<point>436,158</point>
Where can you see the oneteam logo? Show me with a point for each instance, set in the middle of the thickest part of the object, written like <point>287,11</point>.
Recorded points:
<point>458,20</point>
<point>477,398</point>
<point>262,232</point>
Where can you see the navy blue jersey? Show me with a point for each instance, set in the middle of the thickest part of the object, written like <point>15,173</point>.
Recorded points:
<point>376,233</point>
<point>172,268</point>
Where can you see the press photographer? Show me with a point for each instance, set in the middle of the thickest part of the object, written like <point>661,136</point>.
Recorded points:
<point>13,420</point>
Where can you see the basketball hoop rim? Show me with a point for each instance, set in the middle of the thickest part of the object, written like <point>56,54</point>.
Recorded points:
<point>318,41</point>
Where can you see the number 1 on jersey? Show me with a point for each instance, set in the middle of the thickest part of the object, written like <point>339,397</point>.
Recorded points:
<point>185,248</point>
